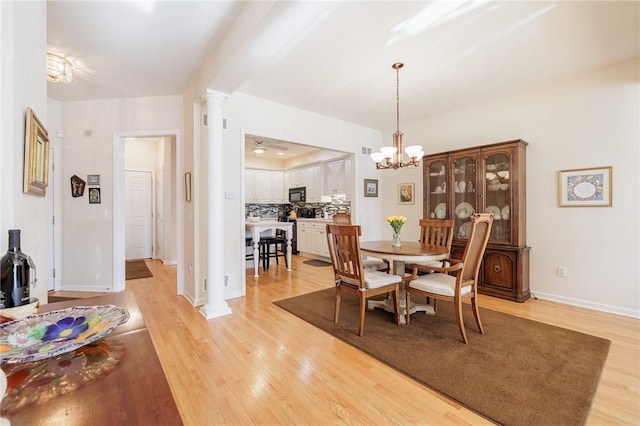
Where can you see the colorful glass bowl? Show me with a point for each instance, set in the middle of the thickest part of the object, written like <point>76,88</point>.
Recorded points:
<point>53,333</point>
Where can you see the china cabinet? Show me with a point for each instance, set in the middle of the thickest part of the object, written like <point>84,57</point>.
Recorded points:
<point>488,178</point>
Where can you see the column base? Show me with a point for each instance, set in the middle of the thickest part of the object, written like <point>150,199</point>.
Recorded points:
<point>210,312</point>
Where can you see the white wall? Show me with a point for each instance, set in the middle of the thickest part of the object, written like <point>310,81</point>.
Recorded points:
<point>88,148</point>
<point>23,31</point>
<point>247,114</point>
<point>590,120</point>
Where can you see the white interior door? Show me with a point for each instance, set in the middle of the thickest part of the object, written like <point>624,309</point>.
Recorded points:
<point>138,217</point>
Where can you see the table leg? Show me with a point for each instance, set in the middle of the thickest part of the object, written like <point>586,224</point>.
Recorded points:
<point>289,236</point>
<point>387,304</point>
<point>256,256</point>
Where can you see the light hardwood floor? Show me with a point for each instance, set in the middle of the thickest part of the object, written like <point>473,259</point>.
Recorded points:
<point>262,365</point>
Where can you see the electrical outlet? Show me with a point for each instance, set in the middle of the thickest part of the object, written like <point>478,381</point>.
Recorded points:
<point>562,271</point>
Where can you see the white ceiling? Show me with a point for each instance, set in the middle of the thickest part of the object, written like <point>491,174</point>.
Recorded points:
<point>333,57</point>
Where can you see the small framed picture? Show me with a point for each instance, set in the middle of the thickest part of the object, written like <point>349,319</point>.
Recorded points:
<point>371,187</point>
<point>94,195</point>
<point>93,180</point>
<point>77,186</point>
<point>406,193</point>
<point>585,187</point>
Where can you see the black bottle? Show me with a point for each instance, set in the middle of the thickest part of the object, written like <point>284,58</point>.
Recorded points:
<point>14,274</point>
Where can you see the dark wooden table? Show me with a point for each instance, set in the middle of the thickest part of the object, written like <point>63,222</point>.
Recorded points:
<point>136,393</point>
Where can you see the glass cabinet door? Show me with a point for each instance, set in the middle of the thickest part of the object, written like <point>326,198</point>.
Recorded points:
<point>498,195</point>
<point>437,189</point>
<point>464,194</point>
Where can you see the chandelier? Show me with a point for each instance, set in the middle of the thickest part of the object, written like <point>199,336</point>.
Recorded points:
<point>390,157</point>
<point>59,69</point>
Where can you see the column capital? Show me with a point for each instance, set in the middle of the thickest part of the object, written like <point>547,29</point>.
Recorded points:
<point>214,94</point>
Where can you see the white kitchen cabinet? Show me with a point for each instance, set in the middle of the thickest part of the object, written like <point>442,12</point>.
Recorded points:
<point>312,175</point>
<point>338,179</point>
<point>277,187</point>
<point>264,186</point>
<point>309,177</point>
<point>334,177</point>
<point>312,238</point>
<point>304,238</point>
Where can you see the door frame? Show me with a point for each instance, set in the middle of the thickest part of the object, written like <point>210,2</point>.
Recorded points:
<point>119,139</point>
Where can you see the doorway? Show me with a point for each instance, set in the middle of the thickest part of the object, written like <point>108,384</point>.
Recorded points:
<point>172,212</point>
<point>138,217</point>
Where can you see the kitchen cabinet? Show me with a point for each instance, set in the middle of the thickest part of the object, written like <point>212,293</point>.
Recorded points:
<point>334,178</point>
<point>309,177</point>
<point>312,238</point>
<point>264,186</point>
<point>337,177</point>
<point>488,178</point>
<point>277,187</point>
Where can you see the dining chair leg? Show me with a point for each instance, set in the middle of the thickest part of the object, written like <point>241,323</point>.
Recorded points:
<point>336,314</point>
<point>458,306</point>
<point>363,307</point>
<point>396,304</point>
<point>408,303</point>
<point>476,313</point>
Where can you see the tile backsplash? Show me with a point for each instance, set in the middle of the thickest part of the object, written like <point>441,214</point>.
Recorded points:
<point>277,210</point>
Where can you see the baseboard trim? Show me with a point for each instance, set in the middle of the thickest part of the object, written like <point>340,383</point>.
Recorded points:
<point>586,304</point>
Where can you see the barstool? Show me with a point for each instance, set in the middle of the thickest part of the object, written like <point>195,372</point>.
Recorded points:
<point>279,249</point>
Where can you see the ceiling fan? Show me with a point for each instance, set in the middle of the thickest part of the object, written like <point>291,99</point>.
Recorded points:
<point>260,147</point>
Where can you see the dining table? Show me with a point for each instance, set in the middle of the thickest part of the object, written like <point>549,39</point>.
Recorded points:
<point>116,380</point>
<point>256,228</point>
<point>407,252</point>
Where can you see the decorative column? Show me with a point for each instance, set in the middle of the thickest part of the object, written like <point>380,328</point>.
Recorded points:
<point>216,306</point>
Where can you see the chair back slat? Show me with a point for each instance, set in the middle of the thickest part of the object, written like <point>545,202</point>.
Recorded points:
<point>344,250</point>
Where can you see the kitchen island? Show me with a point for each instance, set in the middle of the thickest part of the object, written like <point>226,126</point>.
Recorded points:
<point>268,225</point>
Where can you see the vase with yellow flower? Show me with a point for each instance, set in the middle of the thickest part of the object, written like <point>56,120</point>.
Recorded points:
<point>396,223</point>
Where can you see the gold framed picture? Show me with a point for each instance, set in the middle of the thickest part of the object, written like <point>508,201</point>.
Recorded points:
<point>585,187</point>
<point>406,193</point>
<point>36,156</point>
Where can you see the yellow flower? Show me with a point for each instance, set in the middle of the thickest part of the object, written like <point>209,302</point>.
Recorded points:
<point>396,222</point>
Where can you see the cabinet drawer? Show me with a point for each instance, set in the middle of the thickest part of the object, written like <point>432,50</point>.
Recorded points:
<point>498,270</point>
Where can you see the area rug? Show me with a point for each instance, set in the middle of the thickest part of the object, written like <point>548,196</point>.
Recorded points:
<point>520,372</point>
<point>316,262</point>
<point>135,269</point>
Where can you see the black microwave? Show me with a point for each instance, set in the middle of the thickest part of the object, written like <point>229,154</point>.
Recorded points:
<point>298,195</point>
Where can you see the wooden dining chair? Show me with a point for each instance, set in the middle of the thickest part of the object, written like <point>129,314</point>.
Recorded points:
<point>350,275</point>
<point>437,232</point>
<point>342,218</point>
<point>370,264</point>
<point>459,280</point>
